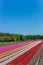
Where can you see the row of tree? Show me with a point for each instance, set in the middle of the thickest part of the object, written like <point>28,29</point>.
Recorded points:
<point>6,37</point>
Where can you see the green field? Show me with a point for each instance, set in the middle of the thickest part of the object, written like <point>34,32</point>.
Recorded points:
<point>6,43</point>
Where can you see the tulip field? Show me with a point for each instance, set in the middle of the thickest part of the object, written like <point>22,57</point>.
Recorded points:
<point>24,53</point>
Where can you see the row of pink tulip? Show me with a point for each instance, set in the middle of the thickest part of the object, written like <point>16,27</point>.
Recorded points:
<point>13,46</point>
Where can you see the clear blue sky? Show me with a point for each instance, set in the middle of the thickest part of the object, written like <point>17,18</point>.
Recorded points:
<point>21,16</point>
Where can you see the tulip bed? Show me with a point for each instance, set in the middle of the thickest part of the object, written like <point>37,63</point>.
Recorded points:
<point>23,59</point>
<point>14,55</point>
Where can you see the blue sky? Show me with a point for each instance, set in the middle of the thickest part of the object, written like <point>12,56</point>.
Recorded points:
<point>21,16</point>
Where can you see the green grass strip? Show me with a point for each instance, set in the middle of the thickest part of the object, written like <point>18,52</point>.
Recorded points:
<point>37,62</point>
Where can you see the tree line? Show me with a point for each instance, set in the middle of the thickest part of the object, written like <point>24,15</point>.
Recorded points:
<point>6,37</point>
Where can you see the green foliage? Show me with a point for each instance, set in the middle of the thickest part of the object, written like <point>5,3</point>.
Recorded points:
<point>6,37</point>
